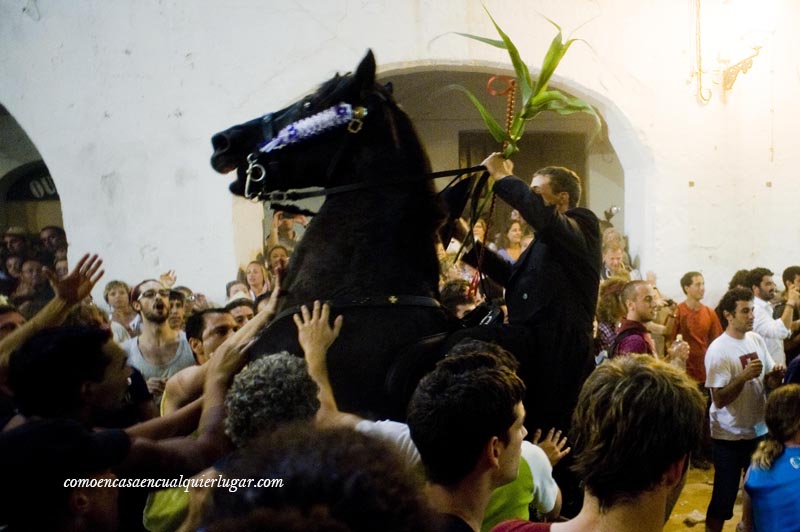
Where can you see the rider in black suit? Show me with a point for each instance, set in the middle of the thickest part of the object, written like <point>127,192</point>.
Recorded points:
<point>551,290</point>
<point>551,295</point>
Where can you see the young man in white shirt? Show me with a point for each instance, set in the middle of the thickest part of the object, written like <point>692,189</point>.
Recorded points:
<point>773,330</point>
<point>739,369</point>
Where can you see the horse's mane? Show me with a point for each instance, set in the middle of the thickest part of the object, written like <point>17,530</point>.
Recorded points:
<point>386,151</point>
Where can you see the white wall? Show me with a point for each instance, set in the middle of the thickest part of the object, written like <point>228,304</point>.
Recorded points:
<point>122,97</point>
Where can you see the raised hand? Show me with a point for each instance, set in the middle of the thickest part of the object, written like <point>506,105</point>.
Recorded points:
<point>79,282</point>
<point>314,331</point>
<point>168,278</point>
<point>553,445</point>
<point>498,167</point>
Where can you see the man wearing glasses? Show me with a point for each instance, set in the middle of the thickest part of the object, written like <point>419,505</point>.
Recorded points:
<point>160,351</point>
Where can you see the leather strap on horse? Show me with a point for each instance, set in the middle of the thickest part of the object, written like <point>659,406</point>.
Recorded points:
<point>279,195</point>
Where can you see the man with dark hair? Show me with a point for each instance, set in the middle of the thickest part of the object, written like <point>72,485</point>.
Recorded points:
<point>206,330</point>
<point>69,292</point>
<point>631,482</point>
<point>177,310</point>
<point>551,291</point>
<point>739,370</point>
<point>468,426</point>
<point>626,470</point>
<point>235,287</point>
<point>53,239</point>
<point>739,280</point>
<point>87,374</point>
<point>160,351</point>
<point>698,325</point>
<point>773,330</point>
<point>92,378</point>
<point>15,240</point>
<point>242,309</point>
<point>632,336</point>
<point>33,291</point>
<point>551,295</point>
<point>534,487</point>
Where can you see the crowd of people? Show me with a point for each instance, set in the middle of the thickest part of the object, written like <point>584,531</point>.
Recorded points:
<point>150,416</point>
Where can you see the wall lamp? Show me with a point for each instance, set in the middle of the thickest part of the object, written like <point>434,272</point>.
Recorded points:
<point>730,74</point>
<point>752,17</point>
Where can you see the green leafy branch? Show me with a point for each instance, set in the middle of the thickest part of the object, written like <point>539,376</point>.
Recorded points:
<point>536,98</point>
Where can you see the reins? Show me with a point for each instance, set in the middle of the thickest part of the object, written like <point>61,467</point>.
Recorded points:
<point>278,195</point>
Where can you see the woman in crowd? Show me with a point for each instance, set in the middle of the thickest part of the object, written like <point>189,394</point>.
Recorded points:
<point>513,242</point>
<point>117,295</point>
<point>772,484</point>
<point>277,257</point>
<point>610,312</point>
<point>257,279</point>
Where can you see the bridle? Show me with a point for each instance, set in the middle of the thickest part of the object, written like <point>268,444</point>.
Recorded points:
<point>334,117</point>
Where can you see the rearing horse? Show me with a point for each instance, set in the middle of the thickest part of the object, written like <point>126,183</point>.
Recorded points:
<point>370,250</point>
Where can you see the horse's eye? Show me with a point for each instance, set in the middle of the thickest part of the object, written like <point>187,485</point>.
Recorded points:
<point>307,106</point>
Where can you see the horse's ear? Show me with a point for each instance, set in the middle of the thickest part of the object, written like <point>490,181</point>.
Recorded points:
<point>389,87</point>
<point>365,73</point>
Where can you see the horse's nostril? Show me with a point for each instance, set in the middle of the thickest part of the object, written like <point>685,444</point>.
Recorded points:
<point>220,142</point>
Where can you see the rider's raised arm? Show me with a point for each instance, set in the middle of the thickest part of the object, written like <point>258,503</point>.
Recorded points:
<point>568,229</point>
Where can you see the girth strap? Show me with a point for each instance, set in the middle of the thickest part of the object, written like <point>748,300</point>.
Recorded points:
<point>368,301</point>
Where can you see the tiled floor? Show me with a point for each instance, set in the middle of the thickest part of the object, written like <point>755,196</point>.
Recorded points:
<point>695,496</point>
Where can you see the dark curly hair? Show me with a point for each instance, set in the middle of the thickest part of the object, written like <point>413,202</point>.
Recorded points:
<point>269,392</point>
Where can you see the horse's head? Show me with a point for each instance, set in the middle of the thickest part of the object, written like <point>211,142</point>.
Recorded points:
<point>316,140</point>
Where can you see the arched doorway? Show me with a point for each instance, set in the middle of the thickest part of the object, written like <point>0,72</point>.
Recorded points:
<point>28,195</point>
<point>455,136</point>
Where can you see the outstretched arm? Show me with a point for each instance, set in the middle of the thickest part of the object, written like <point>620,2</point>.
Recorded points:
<point>150,453</point>
<point>544,219</point>
<point>316,335</point>
<point>69,291</point>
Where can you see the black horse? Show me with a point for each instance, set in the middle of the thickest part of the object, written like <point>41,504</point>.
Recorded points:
<point>370,250</point>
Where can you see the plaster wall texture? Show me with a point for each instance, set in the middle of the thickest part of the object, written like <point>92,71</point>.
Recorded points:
<point>121,99</point>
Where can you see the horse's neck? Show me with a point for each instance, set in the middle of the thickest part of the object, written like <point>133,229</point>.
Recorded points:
<point>368,243</point>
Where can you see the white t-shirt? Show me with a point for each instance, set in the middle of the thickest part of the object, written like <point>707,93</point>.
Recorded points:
<point>743,418</point>
<point>772,330</point>
<point>545,489</point>
<point>396,434</point>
